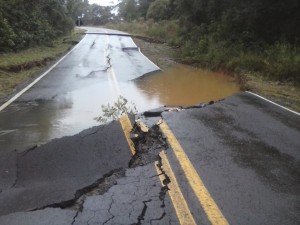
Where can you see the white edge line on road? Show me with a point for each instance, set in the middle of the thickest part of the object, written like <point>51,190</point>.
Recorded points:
<point>37,79</point>
<point>145,56</point>
<point>273,103</point>
<point>150,60</point>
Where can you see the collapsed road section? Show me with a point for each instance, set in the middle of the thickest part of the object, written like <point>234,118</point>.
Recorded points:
<point>89,178</point>
<point>235,161</point>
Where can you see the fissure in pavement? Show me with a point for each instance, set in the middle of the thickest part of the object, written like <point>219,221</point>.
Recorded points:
<point>99,187</point>
<point>147,145</point>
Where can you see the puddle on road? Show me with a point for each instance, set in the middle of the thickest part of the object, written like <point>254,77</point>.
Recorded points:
<point>184,85</point>
<point>25,124</point>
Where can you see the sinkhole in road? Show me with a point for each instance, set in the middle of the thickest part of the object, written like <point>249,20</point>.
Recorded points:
<point>184,85</point>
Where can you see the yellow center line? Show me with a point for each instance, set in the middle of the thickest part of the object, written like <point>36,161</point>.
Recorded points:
<point>182,210</point>
<point>210,207</point>
<point>181,207</point>
<point>127,127</point>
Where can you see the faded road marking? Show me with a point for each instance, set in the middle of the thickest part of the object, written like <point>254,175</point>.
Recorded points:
<point>182,210</point>
<point>210,207</point>
<point>127,127</point>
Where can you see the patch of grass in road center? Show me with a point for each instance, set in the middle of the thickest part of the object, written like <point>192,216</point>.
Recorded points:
<point>16,68</point>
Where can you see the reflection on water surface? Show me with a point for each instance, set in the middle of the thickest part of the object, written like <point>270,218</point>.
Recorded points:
<point>71,110</point>
<point>184,85</point>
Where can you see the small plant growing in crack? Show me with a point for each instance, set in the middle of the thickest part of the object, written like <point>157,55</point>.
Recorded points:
<point>119,108</point>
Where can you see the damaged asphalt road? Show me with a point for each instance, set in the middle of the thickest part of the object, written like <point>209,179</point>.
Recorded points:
<point>67,99</point>
<point>89,178</point>
<point>235,161</point>
<point>58,173</point>
<point>244,149</point>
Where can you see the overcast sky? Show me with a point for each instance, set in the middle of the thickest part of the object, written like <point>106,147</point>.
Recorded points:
<point>104,2</point>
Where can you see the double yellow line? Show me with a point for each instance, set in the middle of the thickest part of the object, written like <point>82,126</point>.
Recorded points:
<point>183,212</point>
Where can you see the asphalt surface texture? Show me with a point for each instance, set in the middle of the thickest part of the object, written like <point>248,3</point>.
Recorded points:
<point>245,149</point>
<point>69,98</point>
<point>235,161</point>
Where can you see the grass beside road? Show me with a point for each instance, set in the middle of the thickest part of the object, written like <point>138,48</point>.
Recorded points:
<point>17,68</point>
<point>285,94</point>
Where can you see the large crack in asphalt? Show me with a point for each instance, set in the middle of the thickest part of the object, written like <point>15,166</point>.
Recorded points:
<point>93,73</point>
<point>141,217</point>
<point>148,144</point>
<point>97,188</point>
<point>166,181</point>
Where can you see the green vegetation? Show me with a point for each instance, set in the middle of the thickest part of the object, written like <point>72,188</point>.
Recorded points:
<point>120,108</point>
<point>16,68</point>
<point>34,33</point>
<point>167,31</point>
<point>254,40</point>
<point>25,24</point>
<point>260,37</point>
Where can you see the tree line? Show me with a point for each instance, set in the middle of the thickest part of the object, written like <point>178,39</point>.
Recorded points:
<point>257,36</point>
<point>25,24</point>
<point>269,21</point>
<point>247,22</point>
<point>252,35</point>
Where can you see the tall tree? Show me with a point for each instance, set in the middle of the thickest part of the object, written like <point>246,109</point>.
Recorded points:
<point>28,23</point>
<point>159,10</point>
<point>128,10</point>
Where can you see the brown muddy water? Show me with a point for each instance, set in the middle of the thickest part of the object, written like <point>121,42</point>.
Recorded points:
<point>72,111</point>
<point>184,86</point>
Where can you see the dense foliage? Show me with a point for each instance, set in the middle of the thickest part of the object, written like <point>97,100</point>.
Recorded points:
<point>253,35</point>
<point>25,23</point>
<point>243,20</point>
<point>98,15</point>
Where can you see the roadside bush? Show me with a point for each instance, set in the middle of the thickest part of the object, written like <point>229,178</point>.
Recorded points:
<point>167,31</point>
<point>25,24</point>
<point>210,46</point>
<point>246,61</point>
<point>158,10</point>
<point>7,34</point>
<point>283,63</point>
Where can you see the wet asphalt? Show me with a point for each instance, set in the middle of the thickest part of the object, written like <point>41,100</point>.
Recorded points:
<point>247,152</point>
<point>69,98</point>
<point>245,149</point>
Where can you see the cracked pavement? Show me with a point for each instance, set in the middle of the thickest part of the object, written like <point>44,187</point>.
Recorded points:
<point>135,199</point>
<point>61,170</point>
<point>125,196</point>
<point>250,168</point>
<point>74,180</point>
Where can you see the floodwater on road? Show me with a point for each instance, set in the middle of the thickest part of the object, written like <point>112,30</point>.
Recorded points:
<point>184,86</point>
<point>29,122</point>
<point>33,121</point>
